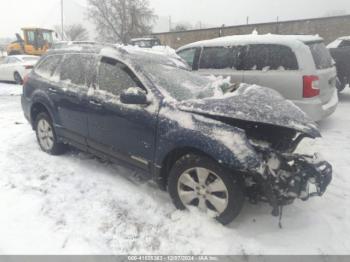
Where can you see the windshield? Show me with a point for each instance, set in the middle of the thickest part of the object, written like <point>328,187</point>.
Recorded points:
<point>321,55</point>
<point>180,84</point>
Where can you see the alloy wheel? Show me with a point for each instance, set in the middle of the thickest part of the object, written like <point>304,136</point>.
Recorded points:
<point>202,188</point>
<point>45,134</point>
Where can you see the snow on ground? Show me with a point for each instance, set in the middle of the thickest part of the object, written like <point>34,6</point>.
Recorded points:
<point>75,204</point>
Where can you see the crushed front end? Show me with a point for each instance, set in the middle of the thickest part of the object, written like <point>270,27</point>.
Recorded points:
<point>284,175</point>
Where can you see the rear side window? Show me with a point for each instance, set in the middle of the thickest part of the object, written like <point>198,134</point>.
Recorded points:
<point>115,77</point>
<point>345,43</point>
<point>269,57</point>
<point>48,67</point>
<point>216,58</point>
<point>321,55</point>
<point>188,55</point>
<point>78,69</point>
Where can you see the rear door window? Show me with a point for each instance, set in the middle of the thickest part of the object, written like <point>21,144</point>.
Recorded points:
<point>269,57</point>
<point>321,55</point>
<point>216,58</point>
<point>115,77</point>
<point>78,69</point>
<point>48,66</point>
<point>345,43</point>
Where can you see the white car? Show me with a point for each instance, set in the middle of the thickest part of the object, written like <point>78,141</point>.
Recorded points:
<point>298,67</point>
<point>15,68</point>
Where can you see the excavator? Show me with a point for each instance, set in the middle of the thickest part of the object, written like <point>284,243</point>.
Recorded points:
<point>36,41</point>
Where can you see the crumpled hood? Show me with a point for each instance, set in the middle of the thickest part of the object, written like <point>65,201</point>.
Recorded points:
<point>255,104</point>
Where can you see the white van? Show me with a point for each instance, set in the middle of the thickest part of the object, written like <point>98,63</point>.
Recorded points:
<point>299,67</point>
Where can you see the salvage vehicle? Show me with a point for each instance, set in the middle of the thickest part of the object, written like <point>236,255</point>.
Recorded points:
<point>208,147</point>
<point>340,51</point>
<point>299,67</point>
<point>15,68</point>
<point>146,42</point>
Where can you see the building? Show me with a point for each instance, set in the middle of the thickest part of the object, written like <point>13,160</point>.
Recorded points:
<point>329,28</point>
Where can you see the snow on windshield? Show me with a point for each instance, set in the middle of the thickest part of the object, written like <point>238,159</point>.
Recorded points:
<point>181,84</point>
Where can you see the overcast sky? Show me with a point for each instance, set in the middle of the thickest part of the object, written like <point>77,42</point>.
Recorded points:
<point>18,13</point>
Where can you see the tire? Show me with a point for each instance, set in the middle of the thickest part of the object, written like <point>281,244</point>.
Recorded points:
<point>18,79</point>
<point>220,187</point>
<point>46,135</point>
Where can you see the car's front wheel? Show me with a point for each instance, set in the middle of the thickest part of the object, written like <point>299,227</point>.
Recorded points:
<point>46,135</point>
<point>200,182</point>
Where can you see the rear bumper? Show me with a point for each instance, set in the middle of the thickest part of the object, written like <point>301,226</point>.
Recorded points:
<point>317,110</point>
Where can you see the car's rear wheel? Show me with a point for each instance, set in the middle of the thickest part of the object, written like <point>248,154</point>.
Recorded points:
<point>200,182</point>
<point>18,78</point>
<point>46,135</point>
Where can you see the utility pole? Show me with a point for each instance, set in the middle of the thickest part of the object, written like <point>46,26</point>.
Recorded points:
<point>62,24</point>
<point>247,20</point>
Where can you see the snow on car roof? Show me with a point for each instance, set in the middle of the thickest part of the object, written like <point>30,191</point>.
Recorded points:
<point>289,40</point>
<point>125,53</point>
<point>344,38</point>
<point>143,39</point>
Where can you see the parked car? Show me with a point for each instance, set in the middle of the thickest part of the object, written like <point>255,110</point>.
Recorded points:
<point>65,44</point>
<point>298,67</point>
<point>15,68</point>
<point>146,42</point>
<point>340,50</point>
<point>208,147</point>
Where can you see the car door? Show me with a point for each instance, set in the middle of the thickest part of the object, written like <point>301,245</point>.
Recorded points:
<point>274,66</point>
<point>76,74</point>
<point>221,61</point>
<point>126,132</point>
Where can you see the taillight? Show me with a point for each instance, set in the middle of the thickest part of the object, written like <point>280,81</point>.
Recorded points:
<point>28,67</point>
<point>25,80</point>
<point>311,86</point>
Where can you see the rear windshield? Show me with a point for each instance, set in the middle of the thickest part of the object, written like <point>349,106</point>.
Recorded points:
<point>321,55</point>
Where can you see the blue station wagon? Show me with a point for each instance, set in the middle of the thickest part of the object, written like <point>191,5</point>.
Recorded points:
<point>210,145</point>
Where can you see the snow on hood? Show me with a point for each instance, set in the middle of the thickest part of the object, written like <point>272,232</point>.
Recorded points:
<point>255,104</point>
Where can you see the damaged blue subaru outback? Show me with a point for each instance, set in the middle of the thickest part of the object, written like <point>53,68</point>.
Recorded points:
<point>211,145</point>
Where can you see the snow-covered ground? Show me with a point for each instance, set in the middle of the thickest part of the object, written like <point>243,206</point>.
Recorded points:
<point>75,204</point>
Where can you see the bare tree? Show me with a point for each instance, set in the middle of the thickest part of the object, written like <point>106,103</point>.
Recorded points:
<point>121,20</point>
<point>74,32</point>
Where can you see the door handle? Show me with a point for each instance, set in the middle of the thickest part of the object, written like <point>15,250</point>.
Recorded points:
<point>95,103</point>
<point>52,90</point>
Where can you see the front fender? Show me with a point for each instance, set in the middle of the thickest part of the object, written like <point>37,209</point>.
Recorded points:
<point>226,144</point>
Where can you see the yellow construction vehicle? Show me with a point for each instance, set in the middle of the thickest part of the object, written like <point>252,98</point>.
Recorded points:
<point>36,41</point>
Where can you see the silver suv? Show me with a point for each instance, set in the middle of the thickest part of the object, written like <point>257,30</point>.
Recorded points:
<point>299,67</point>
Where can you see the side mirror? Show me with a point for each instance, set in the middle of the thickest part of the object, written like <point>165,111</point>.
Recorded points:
<point>134,96</point>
